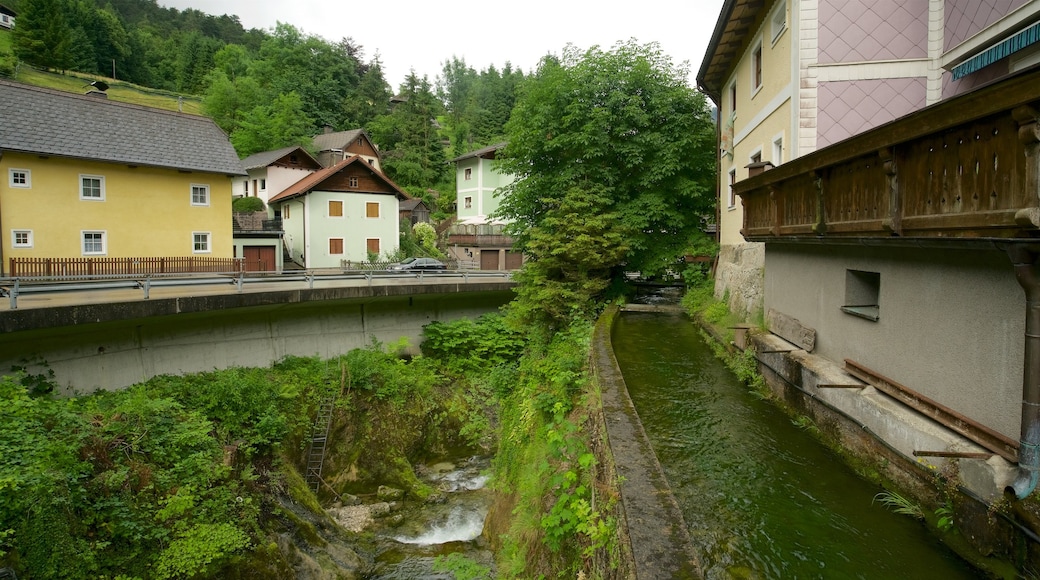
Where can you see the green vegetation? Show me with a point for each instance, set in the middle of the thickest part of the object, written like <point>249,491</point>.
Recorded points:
<point>612,151</point>
<point>181,476</point>
<point>247,204</point>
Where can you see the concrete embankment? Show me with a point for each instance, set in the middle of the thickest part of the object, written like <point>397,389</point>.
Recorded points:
<point>658,541</point>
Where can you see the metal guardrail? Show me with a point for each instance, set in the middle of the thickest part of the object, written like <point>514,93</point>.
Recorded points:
<point>20,286</point>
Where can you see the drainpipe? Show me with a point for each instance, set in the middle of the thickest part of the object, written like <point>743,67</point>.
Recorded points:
<point>1026,260</point>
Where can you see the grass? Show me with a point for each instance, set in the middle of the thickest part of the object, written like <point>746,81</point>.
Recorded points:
<point>124,92</point>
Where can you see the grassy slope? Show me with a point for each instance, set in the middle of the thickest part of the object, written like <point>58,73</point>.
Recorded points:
<point>120,91</point>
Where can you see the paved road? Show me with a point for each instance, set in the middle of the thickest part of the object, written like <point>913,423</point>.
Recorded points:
<point>30,299</point>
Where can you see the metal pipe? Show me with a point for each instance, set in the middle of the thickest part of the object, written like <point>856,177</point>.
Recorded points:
<point>1026,261</point>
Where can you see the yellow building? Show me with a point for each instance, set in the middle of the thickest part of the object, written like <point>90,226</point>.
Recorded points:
<point>81,176</point>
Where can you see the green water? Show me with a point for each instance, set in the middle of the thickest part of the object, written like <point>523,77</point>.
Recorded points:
<point>761,497</point>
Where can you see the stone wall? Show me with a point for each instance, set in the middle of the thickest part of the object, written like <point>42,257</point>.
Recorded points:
<point>739,275</point>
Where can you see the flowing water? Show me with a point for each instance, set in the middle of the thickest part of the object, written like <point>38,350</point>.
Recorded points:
<point>762,498</point>
<point>409,549</point>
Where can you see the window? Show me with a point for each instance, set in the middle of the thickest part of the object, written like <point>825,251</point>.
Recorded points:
<point>335,246</point>
<point>756,69</point>
<point>467,202</point>
<point>92,187</point>
<point>263,185</point>
<point>93,243</point>
<point>200,242</point>
<point>732,194</point>
<point>756,157</point>
<point>254,188</point>
<point>245,188</point>
<point>20,178</point>
<point>22,238</point>
<point>335,208</point>
<point>372,244</point>
<point>285,212</point>
<point>778,150</point>
<point>372,209</point>
<point>778,20</point>
<point>733,97</point>
<point>862,290</point>
<point>353,181</point>
<point>199,195</point>
<point>469,173</point>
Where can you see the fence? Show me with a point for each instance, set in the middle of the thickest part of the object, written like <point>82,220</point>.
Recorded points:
<point>42,267</point>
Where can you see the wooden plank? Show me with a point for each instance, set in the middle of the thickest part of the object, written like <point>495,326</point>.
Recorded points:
<point>791,330</point>
<point>994,441</point>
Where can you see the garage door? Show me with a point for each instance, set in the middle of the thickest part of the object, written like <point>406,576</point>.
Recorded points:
<point>514,260</point>
<point>489,260</point>
<point>259,258</point>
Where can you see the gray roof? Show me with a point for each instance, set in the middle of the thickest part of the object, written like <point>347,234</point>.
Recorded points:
<point>480,152</point>
<point>265,158</point>
<point>337,140</point>
<point>48,122</point>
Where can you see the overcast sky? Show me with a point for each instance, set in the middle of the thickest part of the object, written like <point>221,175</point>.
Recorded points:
<point>422,34</point>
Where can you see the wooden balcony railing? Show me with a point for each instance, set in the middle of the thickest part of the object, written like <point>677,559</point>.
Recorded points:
<point>964,168</point>
<point>92,267</point>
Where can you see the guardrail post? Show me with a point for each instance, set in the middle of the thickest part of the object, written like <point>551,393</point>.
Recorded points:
<point>421,276</point>
<point>147,286</point>
<point>310,280</point>
<point>368,276</point>
<point>465,277</point>
<point>14,295</point>
<point>238,282</point>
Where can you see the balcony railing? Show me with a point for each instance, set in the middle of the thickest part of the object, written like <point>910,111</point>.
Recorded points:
<point>255,222</point>
<point>964,168</point>
<point>478,235</point>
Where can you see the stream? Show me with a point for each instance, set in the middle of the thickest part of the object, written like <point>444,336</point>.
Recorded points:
<point>762,498</point>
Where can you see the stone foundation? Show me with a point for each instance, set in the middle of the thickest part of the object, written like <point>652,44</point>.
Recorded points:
<point>740,275</point>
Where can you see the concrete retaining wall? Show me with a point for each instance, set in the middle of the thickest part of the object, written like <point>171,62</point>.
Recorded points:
<point>124,349</point>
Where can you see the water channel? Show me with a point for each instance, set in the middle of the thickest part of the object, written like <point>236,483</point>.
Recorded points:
<point>762,498</point>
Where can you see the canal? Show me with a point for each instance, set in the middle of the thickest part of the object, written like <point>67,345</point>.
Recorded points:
<point>761,496</point>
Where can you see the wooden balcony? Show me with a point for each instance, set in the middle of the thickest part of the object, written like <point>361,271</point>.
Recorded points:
<point>963,168</point>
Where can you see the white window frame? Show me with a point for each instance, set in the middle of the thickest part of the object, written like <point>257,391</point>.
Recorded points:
<point>778,21</point>
<point>101,187</point>
<point>757,152</point>
<point>204,188</point>
<point>757,80</point>
<point>25,174</point>
<point>733,98</point>
<point>732,193</point>
<point>778,150</point>
<point>83,242</point>
<point>468,174</point>
<point>14,239</point>
<point>207,241</point>
<point>342,206</point>
<point>467,202</point>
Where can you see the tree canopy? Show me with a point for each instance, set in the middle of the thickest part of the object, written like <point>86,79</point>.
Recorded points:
<point>613,157</point>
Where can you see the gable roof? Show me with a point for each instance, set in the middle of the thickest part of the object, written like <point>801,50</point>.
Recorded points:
<point>265,158</point>
<point>486,152</point>
<point>48,122</point>
<point>314,180</point>
<point>410,204</point>
<point>338,140</point>
<point>7,11</point>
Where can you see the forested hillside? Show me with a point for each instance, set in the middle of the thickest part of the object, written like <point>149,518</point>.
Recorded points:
<point>268,88</point>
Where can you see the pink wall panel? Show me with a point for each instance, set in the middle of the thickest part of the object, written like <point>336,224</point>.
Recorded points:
<point>867,30</point>
<point>847,108</point>
<point>966,17</point>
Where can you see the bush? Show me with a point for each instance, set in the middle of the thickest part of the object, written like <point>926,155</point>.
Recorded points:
<point>247,205</point>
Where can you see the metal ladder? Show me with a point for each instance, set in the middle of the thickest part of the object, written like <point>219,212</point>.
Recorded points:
<point>319,439</point>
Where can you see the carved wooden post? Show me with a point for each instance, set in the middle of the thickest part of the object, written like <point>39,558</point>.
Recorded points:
<point>894,222</point>
<point>1029,135</point>
<point>820,227</point>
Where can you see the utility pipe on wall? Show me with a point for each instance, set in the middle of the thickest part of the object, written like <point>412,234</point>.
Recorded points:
<point>1026,261</point>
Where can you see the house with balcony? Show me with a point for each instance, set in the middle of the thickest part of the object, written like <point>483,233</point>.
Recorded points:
<point>897,218</point>
<point>475,238</point>
<point>84,177</point>
<point>268,173</point>
<point>792,76</point>
<point>6,17</point>
<point>346,212</point>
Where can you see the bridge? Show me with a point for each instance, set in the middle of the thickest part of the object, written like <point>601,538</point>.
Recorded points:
<point>109,334</point>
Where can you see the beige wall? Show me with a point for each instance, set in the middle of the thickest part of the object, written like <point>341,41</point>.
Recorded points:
<point>951,322</point>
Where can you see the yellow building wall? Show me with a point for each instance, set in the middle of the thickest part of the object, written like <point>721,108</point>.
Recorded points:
<point>145,212</point>
<point>762,116</point>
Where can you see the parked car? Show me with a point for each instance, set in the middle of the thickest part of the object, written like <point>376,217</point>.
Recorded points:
<point>418,264</point>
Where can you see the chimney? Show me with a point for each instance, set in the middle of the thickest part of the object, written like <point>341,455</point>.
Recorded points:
<point>328,129</point>
<point>758,167</point>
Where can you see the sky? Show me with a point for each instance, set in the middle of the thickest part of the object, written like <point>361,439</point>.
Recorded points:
<point>423,34</point>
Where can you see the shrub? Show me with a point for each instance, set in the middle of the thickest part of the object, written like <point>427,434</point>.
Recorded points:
<point>247,205</point>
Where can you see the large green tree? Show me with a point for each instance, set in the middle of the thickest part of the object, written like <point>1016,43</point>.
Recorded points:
<point>44,36</point>
<point>594,133</point>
